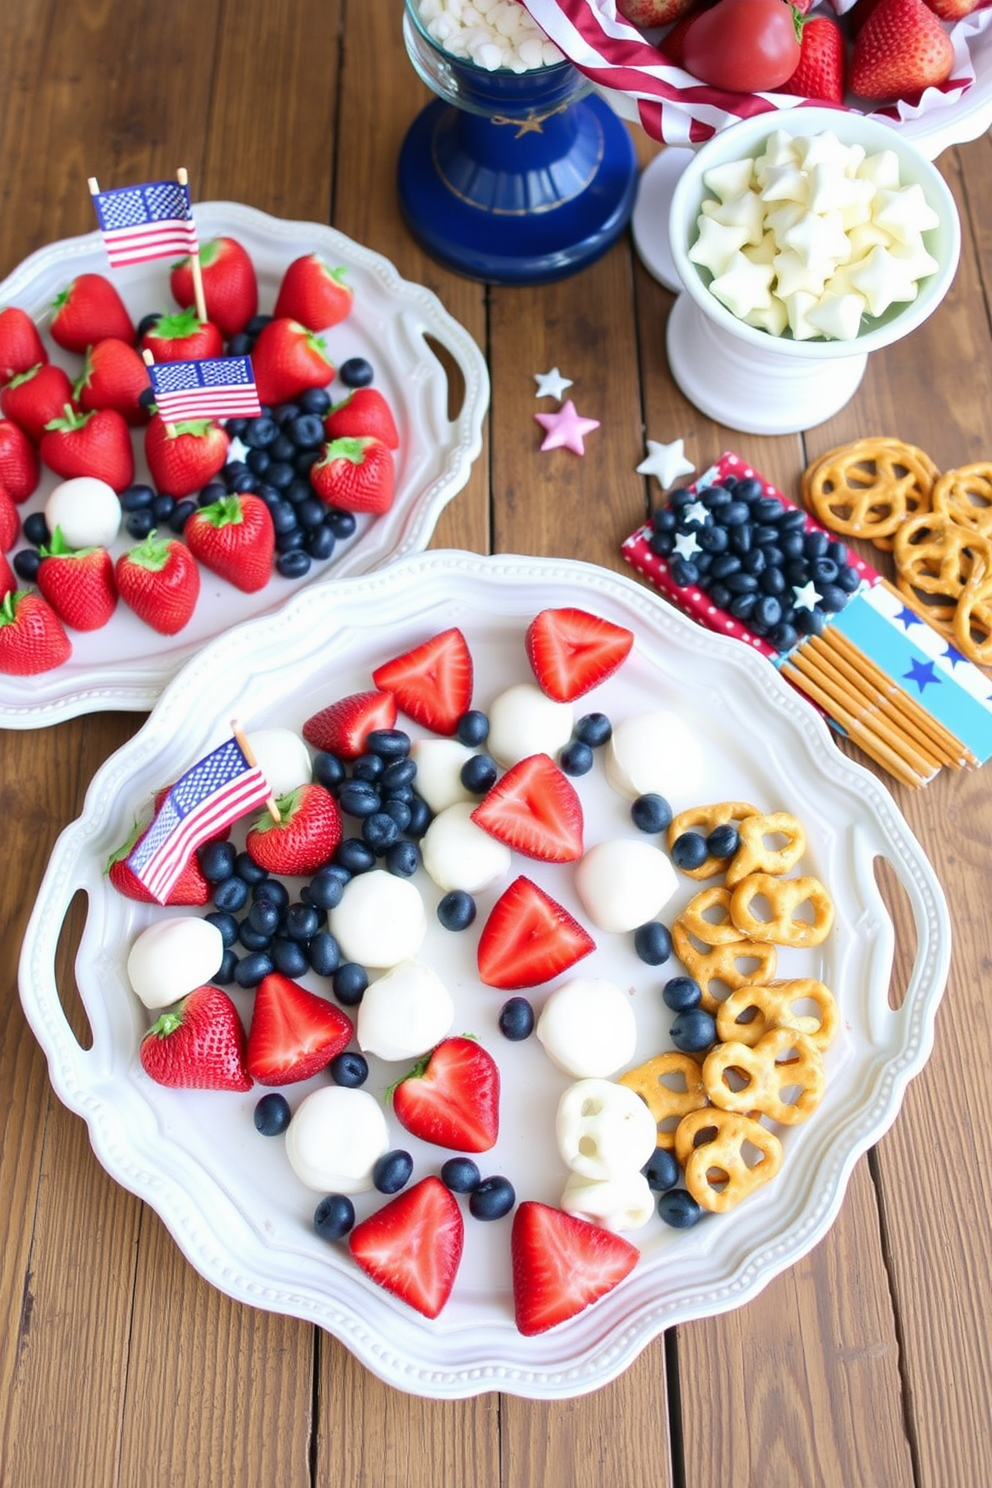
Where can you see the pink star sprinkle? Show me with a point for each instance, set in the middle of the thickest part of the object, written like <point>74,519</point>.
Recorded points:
<point>565,429</point>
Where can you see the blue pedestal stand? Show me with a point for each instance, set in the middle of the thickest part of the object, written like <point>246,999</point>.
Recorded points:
<point>517,199</point>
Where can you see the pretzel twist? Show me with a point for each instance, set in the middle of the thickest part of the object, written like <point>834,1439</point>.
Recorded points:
<point>752,1011</point>
<point>869,488</point>
<point>721,965</point>
<point>668,1103</point>
<point>704,819</point>
<point>720,930</point>
<point>759,854</point>
<point>766,1073</point>
<point>710,1146</point>
<point>937,558</point>
<point>784,896</point>
<point>965,496</point>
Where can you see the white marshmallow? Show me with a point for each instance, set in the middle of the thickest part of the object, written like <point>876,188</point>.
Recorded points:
<point>379,920</point>
<point>588,1028</point>
<point>336,1138</point>
<point>523,721</point>
<point>405,1013</point>
<point>604,1130</point>
<point>624,883</point>
<point>460,855</point>
<point>87,510</point>
<point>439,763</point>
<point>622,1203</point>
<point>173,957</point>
<point>654,752</point>
<point>282,757</point>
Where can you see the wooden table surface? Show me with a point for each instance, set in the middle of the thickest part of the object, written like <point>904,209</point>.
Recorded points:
<point>868,1362</point>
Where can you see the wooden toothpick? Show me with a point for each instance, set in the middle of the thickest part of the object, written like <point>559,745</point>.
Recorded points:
<point>194,261</point>
<point>149,361</point>
<point>249,755</point>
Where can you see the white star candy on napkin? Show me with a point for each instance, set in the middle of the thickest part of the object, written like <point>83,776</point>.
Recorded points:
<point>551,384</point>
<point>666,462</point>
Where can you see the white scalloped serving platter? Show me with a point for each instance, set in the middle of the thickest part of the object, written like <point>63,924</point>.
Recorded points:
<point>126,664</point>
<point>228,1195</point>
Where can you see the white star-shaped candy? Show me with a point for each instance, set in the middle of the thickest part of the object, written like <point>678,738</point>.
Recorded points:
<point>686,545</point>
<point>744,286</point>
<point>666,462</point>
<point>884,280</point>
<point>717,245</point>
<point>236,451</point>
<point>695,512</point>
<point>806,595</point>
<point>551,384</point>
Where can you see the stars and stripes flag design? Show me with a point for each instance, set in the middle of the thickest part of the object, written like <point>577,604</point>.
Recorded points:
<point>214,387</point>
<point>154,220</point>
<point>214,792</point>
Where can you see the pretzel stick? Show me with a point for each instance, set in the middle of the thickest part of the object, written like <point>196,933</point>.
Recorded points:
<point>873,745</point>
<point>865,710</point>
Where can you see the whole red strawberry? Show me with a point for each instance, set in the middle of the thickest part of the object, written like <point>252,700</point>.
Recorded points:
<point>90,310</point>
<point>314,294</point>
<point>901,49</point>
<point>305,837</point>
<point>160,582</point>
<point>113,376</point>
<point>234,538</point>
<point>356,475</point>
<point>288,359</point>
<point>363,412</point>
<point>20,345</point>
<point>183,338</point>
<point>199,1044</point>
<point>10,522</point>
<point>35,397</point>
<point>230,289</point>
<point>953,10</point>
<point>31,635</point>
<point>190,888</point>
<point>185,457</point>
<point>20,471</point>
<point>822,62</point>
<point>79,585</point>
<point>8,578</point>
<point>90,444</point>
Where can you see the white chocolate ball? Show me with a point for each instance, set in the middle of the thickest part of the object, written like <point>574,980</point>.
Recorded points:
<point>336,1138</point>
<point>173,957</point>
<point>87,510</point>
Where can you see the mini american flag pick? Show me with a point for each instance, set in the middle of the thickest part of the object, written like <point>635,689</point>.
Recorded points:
<point>214,387</point>
<point>154,220</point>
<point>213,793</point>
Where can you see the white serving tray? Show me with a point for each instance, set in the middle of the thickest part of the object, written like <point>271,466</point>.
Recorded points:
<point>126,664</point>
<point>228,1195</point>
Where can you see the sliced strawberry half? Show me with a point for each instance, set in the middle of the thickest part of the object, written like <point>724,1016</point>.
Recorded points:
<point>561,1265</point>
<point>432,683</point>
<point>413,1245</point>
<point>529,938</point>
<point>294,1033</point>
<point>308,831</point>
<point>451,1098</point>
<point>535,809</point>
<point>571,651</point>
<point>343,727</point>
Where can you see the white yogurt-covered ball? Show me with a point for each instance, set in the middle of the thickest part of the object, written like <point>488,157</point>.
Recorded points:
<point>282,757</point>
<point>439,764</point>
<point>624,883</point>
<point>460,855</point>
<point>655,752</point>
<point>379,920</point>
<point>173,957</point>
<point>405,1013</point>
<point>87,510</point>
<point>523,721</point>
<point>336,1138</point>
<point>604,1129</point>
<point>621,1203</point>
<point>588,1027</point>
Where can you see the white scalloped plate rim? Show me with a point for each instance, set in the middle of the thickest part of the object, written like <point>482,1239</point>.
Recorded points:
<point>439,452</point>
<point>469,1353</point>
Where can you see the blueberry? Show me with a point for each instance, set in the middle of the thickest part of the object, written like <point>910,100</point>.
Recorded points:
<point>292,542</point>
<point>264,916</point>
<point>316,400</point>
<point>272,1114</point>
<point>273,891</point>
<point>456,910</point>
<point>848,578</point>
<point>260,433</point>
<point>380,831</point>
<point>662,543</point>
<point>231,894</point>
<point>683,573</point>
<point>723,841</point>
<point>679,1209</point>
<point>392,1171</point>
<point>742,606</point>
<point>726,565</point>
<point>181,514</point>
<point>258,461</point>
<point>359,798</point>
<point>651,813</point>
<point>767,612</point>
<point>399,772</point>
<point>689,850</point>
<point>240,344</point>
<point>334,1217</point>
<point>460,1174</point>
<point>226,972</point>
<point>328,770</point>
<point>252,873</point>
<point>720,595</point>
<point>298,491</point>
<point>594,729</point>
<point>349,982</point>
<point>355,855</point>
<point>492,1198</point>
<point>139,524</point>
<point>832,598</point>
<point>26,564</point>
<point>403,858</point>
<point>749,488</point>
<point>253,968</point>
<point>311,515</point>
<point>289,957</point>
<point>693,1031</point>
<point>134,498</point>
<point>576,758</point>
<point>302,921</point>
<point>286,413</point>
<point>420,817</point>
<point>664,520</point>
<point>342,523</point>
<point>307,431</point>
<point>714,540</point>
<point>815,544</point>
<point>398,807</point>
<point>661,1170</point>
<point>356,372</point>
<point>653,943</point>
<point>252,939</point>
<point>350,1069</point>
<point>681,994</point>
<point>389,744</point>
<point>321,543</point>
<point>783,637</point>
<point>148,323</point>
<point>478,774</point>
<point>516,1019</point>
<point>473,727</point>
<point>772,582</point>
<point>811,622</point>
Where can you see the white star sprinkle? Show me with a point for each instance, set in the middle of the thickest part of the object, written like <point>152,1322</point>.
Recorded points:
<point>551,384</point>
<point>666,462</point>
<point>686,545</point>
<point>236,451</point>
<point>806,596</point>
<point>695,512</point>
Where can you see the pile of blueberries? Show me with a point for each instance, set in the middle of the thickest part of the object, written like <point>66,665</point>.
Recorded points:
<point>754,557</point>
